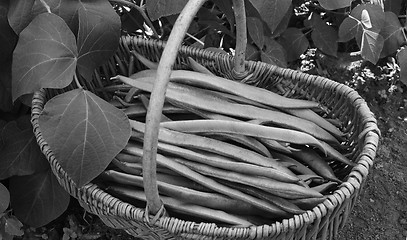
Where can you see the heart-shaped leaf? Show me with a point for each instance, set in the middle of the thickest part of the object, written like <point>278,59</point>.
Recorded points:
<point>38,199</point>
<point>45,56</point>
<point>98,35</point>
<point>8,38</point>
<point>335,4</point>
<point>282,26</point>
<point>402,59</point>
<point>371,45</point>
<point>252,52</point>
<point>20,152</point>
<point>162,8</point>
<point>4,198</point>
<point>84,132</point>
<point>370,15</point>
<point>272,11</point>
<point>256,31</point>
<point>324,36</point>
<point>294,42</point>
<point>19,14</point>
<point>392,33</point>
<point>273,53</point>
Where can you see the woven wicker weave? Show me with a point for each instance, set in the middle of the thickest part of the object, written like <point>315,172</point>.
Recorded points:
<point>322,222</point>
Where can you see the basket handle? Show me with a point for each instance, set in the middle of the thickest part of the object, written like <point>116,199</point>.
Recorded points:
<point>153,117</point>
<point>154,203</point>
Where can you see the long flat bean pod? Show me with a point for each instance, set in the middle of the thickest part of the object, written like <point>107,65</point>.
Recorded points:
<point>210,145</point>
<point>250,92</point>
<point>281,189</point>
<point>225,163</point>
<point>212,184</point>
<point>248,129</point>
<point>205,199</point>
<point>203,99</point>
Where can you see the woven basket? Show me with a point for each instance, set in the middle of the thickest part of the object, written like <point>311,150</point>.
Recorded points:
<point>322,222</point>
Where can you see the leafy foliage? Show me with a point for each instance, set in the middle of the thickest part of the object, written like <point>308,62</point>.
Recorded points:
<point>85,133</point>
<point>43,190</point>
<point>45,56</point>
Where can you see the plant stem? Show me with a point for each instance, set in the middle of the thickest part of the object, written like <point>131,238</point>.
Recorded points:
<point>142,12</point>
<point>241,36</point>
<point>154,111</point>
<point>78,84</point>
<point>46,6</point>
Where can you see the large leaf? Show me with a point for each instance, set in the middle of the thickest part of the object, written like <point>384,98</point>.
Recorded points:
<point>294,42</point>
<point>272,11</point>
<point>392,33</point>
<point>8,38</point>
<point>20,153</point>
<point>252,52</point>
<point>162,8</point>
<point>98,35</point>
<point>334,4</point>
<point>84,132</point>
<point>38,199</point>
<point>273,53</point>
<point>402,60</point>
<point>375,14</point>
<point>371,44</point>
<point>19,14</point>
<point>256,30</point>
<point>4,198</point>
<point>348,29</point>
<point>324,37</point>
<point>45,56</point>
<point>282,26</point>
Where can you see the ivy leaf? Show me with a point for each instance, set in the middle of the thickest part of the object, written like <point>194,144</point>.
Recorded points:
<point>256,32</point>
<point>324,36</point>
<point>163,8</point>
<point>47,199</point>
<point>273,53</point>
<point>19,14</point>
<point>84,132</point>
<point>402,59</point>
<point>8,38</point>
<point>392,33</point>
<point>98,35</point>
<point>20,152</point>
<point>4,198</point>
<point>45,56</point>
<point>294,42</point>
<point>13,226</point>
<point>336,4</point>
<point>371,44</point>
<point>272,11</point>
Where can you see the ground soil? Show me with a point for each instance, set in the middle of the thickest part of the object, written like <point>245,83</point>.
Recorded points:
<point>380,212</point>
